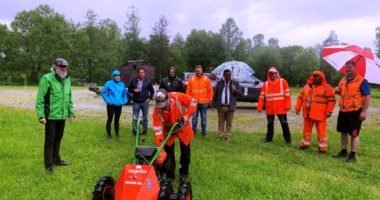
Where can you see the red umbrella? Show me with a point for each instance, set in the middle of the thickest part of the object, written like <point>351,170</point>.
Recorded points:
<point>367,64</point>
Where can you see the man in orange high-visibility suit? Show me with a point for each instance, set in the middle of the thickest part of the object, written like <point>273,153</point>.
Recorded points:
<point>275,95</point>
<point>170,108</point>
<point>355,96</point>
<point>200,88</point>
<point>317,100</point>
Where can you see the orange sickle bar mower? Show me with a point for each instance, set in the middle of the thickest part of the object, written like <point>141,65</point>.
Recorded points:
<point>142,180</point>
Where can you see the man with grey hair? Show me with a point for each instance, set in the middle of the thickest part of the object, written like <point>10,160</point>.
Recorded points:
<point>53,105</point>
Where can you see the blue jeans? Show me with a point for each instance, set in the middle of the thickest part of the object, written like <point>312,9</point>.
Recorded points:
<point>201,108</point>
<point>144,107</point>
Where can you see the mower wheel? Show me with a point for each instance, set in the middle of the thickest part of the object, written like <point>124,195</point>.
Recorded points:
<point>185,191</point>
<point>104,188</point>
<point>166,189</point>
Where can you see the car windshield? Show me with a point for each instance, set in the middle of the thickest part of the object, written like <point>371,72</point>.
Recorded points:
<point>210,75</point>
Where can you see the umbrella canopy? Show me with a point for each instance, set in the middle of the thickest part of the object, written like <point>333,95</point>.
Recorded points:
<point>238,69</point>
<point>128,70</point>
<point>367,64</point>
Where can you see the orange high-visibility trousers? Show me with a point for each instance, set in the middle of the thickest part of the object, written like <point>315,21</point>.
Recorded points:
<point>321,132</point>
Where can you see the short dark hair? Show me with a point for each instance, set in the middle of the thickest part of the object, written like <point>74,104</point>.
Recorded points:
<point>350,62</point>
<point>198,66</point>
<point>226,71</point>
<point>140,68</point>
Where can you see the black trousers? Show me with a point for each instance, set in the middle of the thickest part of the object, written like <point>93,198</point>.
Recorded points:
<point>284,125</point>
<point>184,160</point>
<point>111,112</point>
<point>53,136</point>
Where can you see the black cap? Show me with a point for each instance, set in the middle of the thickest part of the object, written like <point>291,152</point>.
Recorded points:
<point>61,62</point>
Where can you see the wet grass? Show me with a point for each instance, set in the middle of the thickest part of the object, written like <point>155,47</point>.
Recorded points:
<point>245,168</point>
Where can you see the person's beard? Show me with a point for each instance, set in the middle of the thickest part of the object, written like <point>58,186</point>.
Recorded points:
<point>61,75</point>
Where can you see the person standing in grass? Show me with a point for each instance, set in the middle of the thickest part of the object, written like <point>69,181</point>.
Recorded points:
<point>355,96</point>
<point>114,95</point>
<point>200,88</point>
<point>142,92</point>
<point>317,100</point>
<point>54,105</point>
<point>170,108</point>
<point>275,96</point>
<point>224,100</point>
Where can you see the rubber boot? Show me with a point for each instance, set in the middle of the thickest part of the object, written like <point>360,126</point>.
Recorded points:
<point>270,132</point>
<point>286,132</point>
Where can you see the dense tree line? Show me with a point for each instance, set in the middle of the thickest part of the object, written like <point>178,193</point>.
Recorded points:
<point>96,47</point>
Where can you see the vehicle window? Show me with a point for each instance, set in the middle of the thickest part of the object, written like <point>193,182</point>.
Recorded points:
<point>210,75</point>
<point>189,76</point>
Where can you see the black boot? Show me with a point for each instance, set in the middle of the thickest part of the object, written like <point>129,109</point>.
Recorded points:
<point>184,171</point>
<point>286,132</point>
<point>342,154</point>
<point>351,158</point>
<point>270,132</point>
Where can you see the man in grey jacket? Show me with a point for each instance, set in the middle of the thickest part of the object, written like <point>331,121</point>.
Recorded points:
<point>224,100</point>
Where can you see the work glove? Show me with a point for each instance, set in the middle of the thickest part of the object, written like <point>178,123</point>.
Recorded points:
<point>181,121</point>
<point>161,158</point>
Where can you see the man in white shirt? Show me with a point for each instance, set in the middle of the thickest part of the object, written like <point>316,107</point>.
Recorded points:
<point>224,100</point>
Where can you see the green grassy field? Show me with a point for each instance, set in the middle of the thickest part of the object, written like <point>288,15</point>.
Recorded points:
<point>245,168</point>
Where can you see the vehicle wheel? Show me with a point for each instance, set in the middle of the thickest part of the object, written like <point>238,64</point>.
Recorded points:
<point>104,189</point>
<point>184,191</point>
<point>166,189</point>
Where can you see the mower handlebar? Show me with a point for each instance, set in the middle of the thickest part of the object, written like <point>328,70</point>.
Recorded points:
<point>171,132</point>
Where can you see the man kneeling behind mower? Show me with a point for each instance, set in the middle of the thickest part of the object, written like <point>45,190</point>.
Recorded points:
<point>170,108</point>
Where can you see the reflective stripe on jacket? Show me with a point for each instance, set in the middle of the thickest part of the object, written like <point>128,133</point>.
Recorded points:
<point>316,100</point>
<point>276,97</point>
<point>180,105</point>
<point>351,98</point>
<point>200,88</point>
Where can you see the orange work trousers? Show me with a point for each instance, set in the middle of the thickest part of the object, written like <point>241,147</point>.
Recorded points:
<point>321,131</point>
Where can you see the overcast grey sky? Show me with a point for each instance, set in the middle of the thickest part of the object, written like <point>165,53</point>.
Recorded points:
<point>293,22</point>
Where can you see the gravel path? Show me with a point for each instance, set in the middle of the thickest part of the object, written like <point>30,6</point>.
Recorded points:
<point>89,105</point>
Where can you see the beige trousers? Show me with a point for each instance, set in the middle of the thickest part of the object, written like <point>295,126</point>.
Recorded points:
<point>225,118</point>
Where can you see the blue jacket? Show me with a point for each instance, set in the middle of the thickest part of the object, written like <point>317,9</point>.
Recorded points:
<point>114,92</point>
<point>147,90</point>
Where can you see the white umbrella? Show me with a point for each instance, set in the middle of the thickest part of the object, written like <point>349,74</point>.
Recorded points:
<point>367,64</point>
<point>238,69</point>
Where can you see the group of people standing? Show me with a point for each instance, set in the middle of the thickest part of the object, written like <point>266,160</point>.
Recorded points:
<point>174,102</point>
<point>317,102</point>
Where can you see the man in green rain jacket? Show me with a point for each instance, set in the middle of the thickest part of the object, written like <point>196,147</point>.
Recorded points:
<point>53,105</point>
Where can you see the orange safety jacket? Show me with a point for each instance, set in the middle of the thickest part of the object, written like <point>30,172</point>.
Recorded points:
<point>200,88</point>
<point>275,95</point>
<point>351,98</point>
<point>180,105</point>
<point>316,100</point>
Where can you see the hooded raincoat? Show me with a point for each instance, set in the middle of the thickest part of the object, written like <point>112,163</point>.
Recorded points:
<point>274,95</point>
<point>114,92</point>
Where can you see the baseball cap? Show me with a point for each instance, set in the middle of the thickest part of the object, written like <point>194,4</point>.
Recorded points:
<point>161,98</point>
<point>61,62</point>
